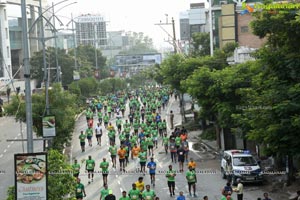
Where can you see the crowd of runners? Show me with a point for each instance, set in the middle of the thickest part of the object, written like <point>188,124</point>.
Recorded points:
<point>137,124</point>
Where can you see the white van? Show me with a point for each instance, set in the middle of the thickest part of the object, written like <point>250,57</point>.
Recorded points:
<point>240,164</point>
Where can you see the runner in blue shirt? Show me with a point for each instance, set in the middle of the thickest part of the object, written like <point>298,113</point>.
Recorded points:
<point>152,167</point>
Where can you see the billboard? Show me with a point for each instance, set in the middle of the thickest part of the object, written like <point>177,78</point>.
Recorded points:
<point>31,176</point>
<point>76,75</point>
<point>49,126</point>
<point>138,59</point>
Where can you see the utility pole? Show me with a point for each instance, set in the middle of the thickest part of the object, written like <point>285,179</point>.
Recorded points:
<point>211,29</point>
<point>55,44</point>
<point>26,65</point>
<point>74,40</point>
<point>174,36</point>
<point>43,41</point>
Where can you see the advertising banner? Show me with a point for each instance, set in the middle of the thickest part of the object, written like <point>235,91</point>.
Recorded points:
<point>76,75</point>
<point>49,126</point>
<point>31,176</point>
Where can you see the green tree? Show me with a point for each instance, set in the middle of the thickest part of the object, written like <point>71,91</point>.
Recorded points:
<point>111,85</point>
<point>62,106</point>
<point>87,61</point>
<point>60,184</point>
<point>139,44</point>
<point>200,44</point>
<point>65,62</point>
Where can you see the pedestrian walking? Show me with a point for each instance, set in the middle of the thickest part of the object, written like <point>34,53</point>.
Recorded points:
<point>171,180</point>
<point>172,119</point>
<point>152,167</point>
<point>82,138</point>
<point>104,192</point>
<point>181,157</point>
<point>80,191</point>
<point>76,169</point>
<point>89,167</point>
<point>239,190</point>
<point>124,196</point>
<point>98,132</point>
<point>134,193</point>
<point>266,196</point>
<point>191,180</point>
<point>110,196</point>
<point>148,194</point>
<point>104,168</point>
<point>181,196</point>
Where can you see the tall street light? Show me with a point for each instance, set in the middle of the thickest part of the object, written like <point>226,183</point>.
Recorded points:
<point>211,29</point>
<point>26,65</point>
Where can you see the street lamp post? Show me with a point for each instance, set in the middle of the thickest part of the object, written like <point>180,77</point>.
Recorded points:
<point>27,78</point>
<point>211,29</point>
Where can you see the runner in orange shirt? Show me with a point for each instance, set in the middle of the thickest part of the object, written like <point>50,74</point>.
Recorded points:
<point>122,154</point>
<point>192,164</point>
<point>135,155</point>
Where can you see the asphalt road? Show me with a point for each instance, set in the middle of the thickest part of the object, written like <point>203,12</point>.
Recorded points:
<point>209,183</point>
<point>10,129</point>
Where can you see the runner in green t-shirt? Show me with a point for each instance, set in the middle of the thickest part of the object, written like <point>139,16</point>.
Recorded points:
<point>90,166</point>
<point>80,191</point>
<point>191,179</point>
<point>124,196</point>
<point>165,142</point>
<point>143,159</point>
<point>148,194</point>
<point>134,193</point>
<point>89,135</point>
<point>171,180</point>
<point>104,192</point>
<point>76,169</point>
<point>104,168</point>
<point>82,137</point>
<point>113,153</point>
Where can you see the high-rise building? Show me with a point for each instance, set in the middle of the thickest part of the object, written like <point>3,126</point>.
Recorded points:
<point>91,30</point>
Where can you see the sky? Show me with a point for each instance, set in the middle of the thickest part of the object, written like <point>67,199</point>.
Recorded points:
<point>132,15</point>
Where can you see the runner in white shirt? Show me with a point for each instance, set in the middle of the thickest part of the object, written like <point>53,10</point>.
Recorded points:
<point>98,131</point>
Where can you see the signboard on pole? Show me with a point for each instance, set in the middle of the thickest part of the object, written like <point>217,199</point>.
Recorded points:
<point>49,126</point>
<point>76,75</point>
<point>31,176</point>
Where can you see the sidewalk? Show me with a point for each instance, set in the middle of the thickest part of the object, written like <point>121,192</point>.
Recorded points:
<point>276,187</point>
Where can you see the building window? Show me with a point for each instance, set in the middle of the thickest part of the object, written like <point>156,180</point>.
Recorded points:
<point>8,53</point>
<point>5,17</point>
<point>244,29</point>
<point>6,33</point>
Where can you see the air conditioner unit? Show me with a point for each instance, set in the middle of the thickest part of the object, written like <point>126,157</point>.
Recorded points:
<point>223,2</point>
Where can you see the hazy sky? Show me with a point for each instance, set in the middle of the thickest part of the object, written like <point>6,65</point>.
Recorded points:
<point>132,15</point>
<point>127,15</point>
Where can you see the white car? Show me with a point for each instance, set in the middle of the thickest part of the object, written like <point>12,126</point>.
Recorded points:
<point>240,164</point>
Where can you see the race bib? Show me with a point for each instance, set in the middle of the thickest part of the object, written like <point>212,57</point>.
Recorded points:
<point>180,153</point>
<point>148,197</point>
<point>78,190</point>
<point>191,177</point>
<point>134,196</point>
<point>90,165</point>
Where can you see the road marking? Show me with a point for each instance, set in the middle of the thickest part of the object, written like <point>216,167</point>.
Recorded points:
<point>5,150</point>
<point>121,189</point>
<point>16,137</point>
<point>119,182</point>
<point>12,142</point>
<point>19,134</point>
<point>8,146</point>
<point>1,155</point>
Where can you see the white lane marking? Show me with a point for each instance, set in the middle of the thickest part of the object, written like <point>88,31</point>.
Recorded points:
<point>8,146</point>
<point>119,182</point>
<point>12,142</point>
<point>19,134</point>
<point>16,137</point>
<point>1,155</point>
<point>5,150</point>
<point>117,175</point>
<point>121,189</point>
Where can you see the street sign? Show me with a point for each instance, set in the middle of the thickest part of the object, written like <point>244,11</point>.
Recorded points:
<point>49,126</point>
<point>31,176</point>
